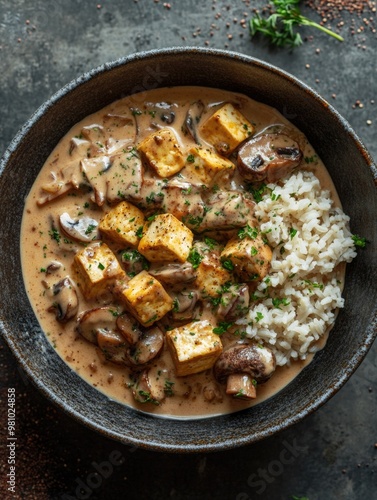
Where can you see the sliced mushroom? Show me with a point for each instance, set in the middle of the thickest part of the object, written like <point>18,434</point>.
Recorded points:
<point>256,362</point>
<point>184,305</point>
<point>65,299</point>
<point>129,328</point>
<point>53,266</point>
<point>174,273</point>
<point>192,119</point>
<point>241,386</point>
<point>168,117</point>
<point>268,156</point>
<point>94,168</point>
<point>142,390</point>
<point>100,319</point>
<point>226,210</point>
<point>84,229</point>
<point>234,302</point>
<point>113,346</point>
<point>147,348</point>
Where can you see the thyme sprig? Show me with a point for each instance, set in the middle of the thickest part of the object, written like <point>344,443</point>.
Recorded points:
<point>279,26</point>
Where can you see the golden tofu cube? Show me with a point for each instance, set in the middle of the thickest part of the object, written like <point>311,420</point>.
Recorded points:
<point>194,347</point>
<point>146,299</point>
<point>122,223</point>
<point>211,276</point>
<point>166,238</point>
<point>161,151</point>
<point>250,257</point>
<point>98,268</point>
<point>226,129</point>
<point>206,165</point>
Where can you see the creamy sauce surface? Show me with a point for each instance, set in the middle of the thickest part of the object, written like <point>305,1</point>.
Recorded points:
<point>126,122</point>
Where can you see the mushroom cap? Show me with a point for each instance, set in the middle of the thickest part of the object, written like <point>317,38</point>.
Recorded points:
<point>268,156</point>
<point>65,299</point>
<point>84,229</point>
<point>257,361</point>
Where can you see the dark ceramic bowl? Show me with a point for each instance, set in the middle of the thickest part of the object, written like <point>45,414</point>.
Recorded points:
<point>350,167</point>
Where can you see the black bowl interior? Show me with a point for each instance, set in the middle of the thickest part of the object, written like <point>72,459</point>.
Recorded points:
<point>350,167</point>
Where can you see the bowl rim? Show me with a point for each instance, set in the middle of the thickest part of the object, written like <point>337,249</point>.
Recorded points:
<point>314,404</point>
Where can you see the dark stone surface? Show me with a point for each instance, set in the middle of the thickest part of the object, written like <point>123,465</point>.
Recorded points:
<point>329,455</point>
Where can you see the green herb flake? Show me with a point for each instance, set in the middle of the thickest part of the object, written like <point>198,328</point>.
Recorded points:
<point>248,232</point>
<point>359,241</point>
<point>194,258</point>
<point>168,388</point>
<point>222,327</point>
<point>227,264</point>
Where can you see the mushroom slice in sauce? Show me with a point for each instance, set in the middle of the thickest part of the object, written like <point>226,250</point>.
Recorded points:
<point>142,390</point>
<point>94,168</point>
<point>192,119</point>
<point>184,305</point>
<point>147,348</point>
<point>234,302</point>
<point>113,346</point>
<point>226,210</point>
<point>129,328</point>
<point>96,320</point>
<point>83,229</point>
<point>53,267</point>
<point>268,156</point>
<point>174,273</point>
<point>253,361</point>
<point>65,299</point>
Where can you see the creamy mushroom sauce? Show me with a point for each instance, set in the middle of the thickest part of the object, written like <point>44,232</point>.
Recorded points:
<point>39,246</point>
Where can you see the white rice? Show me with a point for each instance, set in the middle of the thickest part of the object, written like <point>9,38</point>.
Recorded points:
<point>309,239</point>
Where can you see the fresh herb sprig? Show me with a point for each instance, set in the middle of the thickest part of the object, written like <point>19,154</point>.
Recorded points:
<point>279,26</point>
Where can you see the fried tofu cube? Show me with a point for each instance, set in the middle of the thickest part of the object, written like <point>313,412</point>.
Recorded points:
<point>211,276</point>
<point>194,347</point>
<point>122,223</point>
<point>250,257</point>
<point>146,299</point>
<point>206,165</point>
<point>226,129</point>
<point>162,152</point>
<point>166,238</point>
<point>97,268</point>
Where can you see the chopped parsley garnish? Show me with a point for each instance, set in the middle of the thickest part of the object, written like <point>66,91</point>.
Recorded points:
<point>258,192</point>
<point>55,235</point>
<point>90,229</point>
<point>248,232</point>
<point>147,398</point>
<point>258,317</point>
<point>211,244</point>
<point>139,232</point>
<point>292,232</point>
<point>359,241</point>
<point>190,158</point>
<point>227,264</point>
<point>168,388</point>
<point>222,327</point>
<point>194,258</point>
<point>276,302</point>
<point>101,266</point>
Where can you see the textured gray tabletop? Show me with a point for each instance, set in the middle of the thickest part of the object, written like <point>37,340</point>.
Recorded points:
<point>332,454</point>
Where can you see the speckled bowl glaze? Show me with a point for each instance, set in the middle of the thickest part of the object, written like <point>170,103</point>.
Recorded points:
<point>353,173</point>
